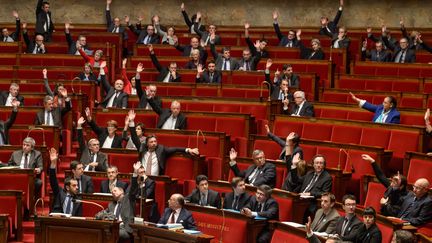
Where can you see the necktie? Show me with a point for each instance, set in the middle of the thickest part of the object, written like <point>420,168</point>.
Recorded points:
<point>378,56</point>
<point>260,207</point>
<point>48,118</point>
<point>311,183</point>
<point>319,222</point>
<point>253,176</point>
<point>5,39</point>
<point>235,203</point>
<point>79,185</point>
<point>117,214</point>
<point>114,104</point>
<point>115,30</point>
<point>203,199</point>
<point>92,159</point>
<point>172,218</point>
<point>2,138</point>
<point>344,226</point>
<point>402,59</point>
<point>211,77</point>
<point>149,163</point>
<point>68,205</point>
<point>225,64</point>
<point>26,161</point>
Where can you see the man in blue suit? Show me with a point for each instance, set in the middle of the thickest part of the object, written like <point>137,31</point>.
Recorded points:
<point>384,113</point>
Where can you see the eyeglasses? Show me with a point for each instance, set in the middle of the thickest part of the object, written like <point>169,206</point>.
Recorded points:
<point>350,205</point>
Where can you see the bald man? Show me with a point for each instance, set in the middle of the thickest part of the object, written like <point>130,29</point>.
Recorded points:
<point>417,205</point>
<point>175,213</point>
<point>169,118</point>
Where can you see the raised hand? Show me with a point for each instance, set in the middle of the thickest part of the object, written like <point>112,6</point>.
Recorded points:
<point>131,115</point>
<point>102,65</point>
<point>67,25</point>
<point>369,30</point>
<point>53,157</point>
<point>233,154</point>
<point>109,2</point>
<point>275,15</point>
<point>150,48</point>
<point>78,46</point>
<point>198,16</point>
<point>267,128</point>
<point>200,68</point>
<point>124,62</point>
<point>269,63</point>
<point>88,114</point>
<point>298,34</point>
<point>45,73</point>
<point>194,151</point>
<point>247,25</point>
<point>257,45</point>
<point>354,97</point>
<point>63,92</point>
<point>341,3</point>
<point>296,159</point>
<point>367,157</point>
<point>384,200</point>
<point>401,22</point>
<point>427,115</point>
<point>126,19</point>
<point>383,29</point>
<point>140,18</point>
<point>80,122</point>
<point>136,166</point>
<point>290,137</point>
<point>182,7</point>
<point>139,68</point>
<point>15,14</point>
<point>156,19</point>
<point>24,25</point>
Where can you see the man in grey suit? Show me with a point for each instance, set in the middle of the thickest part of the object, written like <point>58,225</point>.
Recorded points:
<point>123,205</point>
<point>224,61</point>
<point>325,217</point>
<point>50,115</point>
<point>6,98</point>
<point>91,157</point>
<point>29,158</point>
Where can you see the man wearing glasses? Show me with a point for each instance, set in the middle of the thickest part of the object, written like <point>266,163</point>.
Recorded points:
<point>300,107</point>
<point>347,226</point>
<point>401,53</point>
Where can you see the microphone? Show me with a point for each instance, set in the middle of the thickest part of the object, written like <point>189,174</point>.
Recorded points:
<point>268,87</point>
<point>202,135</point>
<point>31,128</point>
<point>348,159</point>
<point>72,85</point>
<point>35,209</point>
<point>223,217</point>
<point>143,195</point>
<point>87,202</point>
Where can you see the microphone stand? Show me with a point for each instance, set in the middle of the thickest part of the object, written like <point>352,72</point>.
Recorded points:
<point>203,138</point>
<point>88,202</point>
<point>31,128</point>
<point>35,209</point>
<point>223,216</point>
<point>269,90</point>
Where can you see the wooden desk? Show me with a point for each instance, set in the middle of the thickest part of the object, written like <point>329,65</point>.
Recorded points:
<point>148,234</point>
<point>4,227</point>
<point>53,229</point>
<point>286,233</point>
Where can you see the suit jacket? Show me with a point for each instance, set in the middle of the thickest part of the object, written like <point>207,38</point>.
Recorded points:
<point>162,152</point>
<point>410,55</point>
<point>288,184</point>
<point>186,50</point>
<point>322,184</point>
<point>388,37</point>
<point>165,113</point>
<point>205,77</point>
<point>213,198</point>
<point>60,196</point>
<point>351,230</point>
<point>149,187</point>
<point>91,77</point>
<point>332,26</point>
<point>85,184</point>
<point>419,213</point>
<point>371,235</point>
<point>190,24</point>
<point>185,218</point>
<point>426,47</point>
<point>306,110</point>
<point>101,158</point>
<point>282,143</point>
<point>243,200</point>
<point>260,54</point>
<point>163,71</point>
<point>102,134</point>
<point>328,223</point>
<point>31,44</point>
<point>267,174</point>
<point>275,89</point>
<point>293,81</point>
<point>154,39</point>
<point>35,160</point>
<point>105,185</point>
<point>392,117</point>
<point>122,99</point>
<point>5,94</point>
<point>283,39</point>
<point>5,125</point>
<point>270,210</point>
<point>344,43</point>
<point>57,115</point>
<point>204,35</point>
<point>220,60</point>
<point>72,45</point>
<point>306,53</point>
<point>41,19</point>
<point>127,212</point>
<point>15,35</point>
<point>384,56</point>
<point>142,95</point>
<point>110,25</point>
<point>253,60</point>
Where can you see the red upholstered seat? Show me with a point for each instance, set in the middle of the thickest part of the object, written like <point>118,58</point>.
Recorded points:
<point>334,97</point>
<point>400,142</point>
<point>280,236</point>
<point>206,91</point>
<point>317,131</point>
<point>419,168</point>
<point>270,148</point>
<point>360,115</point>
<point>180,167</point>
<point>411,102</point>
<point>386,232</point>
<point>19,182</point>
<point>231,126</point>
<point>375,137</point>
<point>308,151</point>
<point>334,157</point>
<point>412,119</point>
<point>203,123</point>
<point>283,128</point>
<point>10,206</point>
<point>286,207</point>
<point>227,108</point>
<point>346,134</point>
<point>374,194</point>
<point>124,162</point>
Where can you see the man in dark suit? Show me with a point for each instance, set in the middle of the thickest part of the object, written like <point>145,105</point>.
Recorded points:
<point>313,184</point>
<point>123,205</point>
<point>153,155</point>
<point>262,205</point>
<point>238,198</point>
<point>329,28</point>
<point>108,138</point>
<point>384,113</point>
<point>91,157</point>
<point>224,61</point>
<point>300,106</point>
<point>7,98</point>
<point>401,53</point>
<point>209,36</point>
<point>85,183</point>
<point>5,36</point>
<point>44,25</point>
<point>289,40</point>
<point>113,25</point>
<point>326,217</point>
<point>194,45</point>
<point>176,214</point>
<point>249,61</point>
<point>202,195</point>
<point>81,42</point>
<point>348,226</point>
<point>115,97</point>
<point>190,22</point>
<point>145,184</point>
<point>376,55</point>
<point>150,92</point>
<point>63,198</point>
<point>340,39</point>
<point>50,115</point>
<point>5,125</point>
<point>289,75</point>
<point>257,174</point>
<point>108,185</point>
<point>386,35</point>
<point>147,36</point>
<point>210,76</point>
<point>417,206</point>
<point>169,118</point>
<point>279,90</point>
<point>258,49</point>
<point>166,74</point>
<point>29,158</point>
<point>35,46</point>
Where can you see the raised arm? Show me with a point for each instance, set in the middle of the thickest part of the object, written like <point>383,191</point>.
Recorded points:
<point>154,59</point>
<point>186,16</point>
<point>68,35</point>
<point>276,25</point>
<point>127,83</point>
<point>80,135</point>
<point>108,13</point>
<point>46,84</point>
<point>52,171</point>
